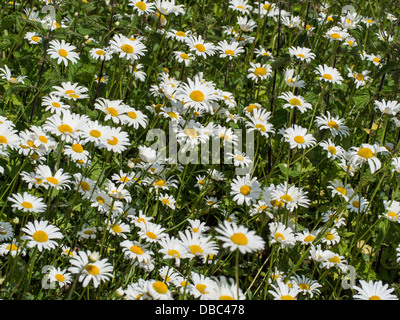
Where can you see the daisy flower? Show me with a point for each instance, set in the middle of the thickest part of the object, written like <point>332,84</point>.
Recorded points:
<point>70,90</point>
<point>328,74</point>
<point>90,271</point>
<point>59,276</point>
<point>359,78</point>
<point>119,229</point>
<point>76,151</point>
<point>136,251</point>
<point>58,180</point>
<point>334,151</point>
<point>306,236</point>
<point>338,188</point>
<point>246,24</point>
<point>32,38</point>
<point>5,73</point>
<point>199,47</point>
<point>167,200</point>
<point>258,121</point>
<point>291,196</point>
<point>178,35</point>
<point>244,189</point>
<point>392,210</point>
<point>282,291</point>
<point>8,137</point>
<point>201,286</point>
<point>332,123</point>
<point>196,94</point>
<point>6,231</point>
<point>241,6</point>
<point>239,237</point>
<point>41,234</point>
<point>259,72</point>
<point>27,203</point>
<point>331,237</point>
<point>116,140</point>
<point>281,234</point>
<point>102,54</point>
<point>225,289</point>
<point>158,290</point>
<point>306,285</point>
<point>367,153</point>
<point>12,248</point>
<point>229,50</point>
<point>293,81</point>
<point>197,245</point>
<point>172,248</point>
<point>183,57</point>
<point>261,52</point>
<point>54,104</point>
<point>295,101</point>
<point>151,232</point>
<point>239,159</point>
<point>388,107</point>
<point>298,137</point>
<point>126,48</point>
<point>375,59</point>
<point>63,52</point>
<point>373,290</point>
<point>142,7</point>
<point>336,34</point>
<point>302,53</point>
<point>357,204</point>
<point>87,233</point>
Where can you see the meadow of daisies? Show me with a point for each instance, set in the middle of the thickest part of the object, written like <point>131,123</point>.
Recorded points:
<point>296,103</point>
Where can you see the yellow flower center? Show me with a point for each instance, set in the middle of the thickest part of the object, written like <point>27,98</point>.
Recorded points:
<point>392,215</point>
<point>52,180</point>
<point>59,277</point>
<point>333,124</point>
<point>12,247</point>
<point>197,96</point>
<point>190,132</point>
<point>226,298</point>
<point>65,128</point>
<point>245,190</point>
<point>327,76</point>
<point>359,77</point>
<point>95,133</point>
<point>200,47</point>
<point>332,150</point>
<point>132,115</point>
<point>295,102</point>
<point>356,203</point>
<point>92,269</point>
<point>304,286</point>
<point>260,127</point>
<point>173,252</point>
<point>112,141</point>
<point>78,148</point>
<point>100,52</point>
<point>299,139</point>
<point>116,229</point>
<point>202,288</point>
<point>239,157</point>
<point>286,198</point>
<point>239,239</point>
<point>194,249</point>
<point>27,205</point>
<point>376,60</point>
<point>40,236</point>
<point>43,139</point>
<point>329,236</point>
<point>112,111</point>
<point>184,56</point>
<point>229,52</point>
<point>260,71</point>
<point>127,48</point>
<point>374,298</point>
<point>63,53</point>
<point>85,186</point>
<point>159,183</point>
<point>336,35</point>
<point>277,203</point>
<point>180,34</point>
<point>365,153</point>
<point>335,259</point>
<point>35,38</point>
<point>342,190</point>
<point>309,238</point>
<point>287,297</point>
<point>136,250</point>
<point>278,236</point>
<point>141,5</point>
<point>160,287</point>
<point>3,139</point>
<point>151,235</point>
<point>301,55</point>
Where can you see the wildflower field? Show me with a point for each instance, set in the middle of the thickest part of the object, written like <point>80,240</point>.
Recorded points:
<point>199,150</point>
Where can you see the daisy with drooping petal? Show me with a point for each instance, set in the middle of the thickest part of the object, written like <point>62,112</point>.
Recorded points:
<point>8,137</point>
<point>359,78</point>
<point>76,151</point>
<point>240,159</point>
<point>172,248</point>
<point>158,290</point>
<point>292,197</point>
<point>63,52</point>
<point>136,251</point>
<point>41,234</point>
<point>201,285</point>
<point>88,270</point>
<point>338,188</point>
<point>152,232</point>
<point>5,73</point>
<point>241,6</point>
<point>262,52</point>
<point>258,121</point>
<point>392,210</point>
<point>259,72</point>
<point>306,237</point>
<point>239,237</point>
<point>298,137</point>
<point>197,245</point>
<point>6,231</point>
<point>328,74</point>
<point>373,290</point>
<point>302,53</point>
<point>183,57</point>
<point>334,151</point>
<point>306,285</point>
<point>59,276</point>
<point>245,189</point>
<point>331,237</point>
<point>295,101</point>
<point>246,24</point>
<point>332,123</point>
<point>27,203</point>
<point>367,153</point>
<point>59,180</point>
<point>357,204</point>
<point>116,140</point>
